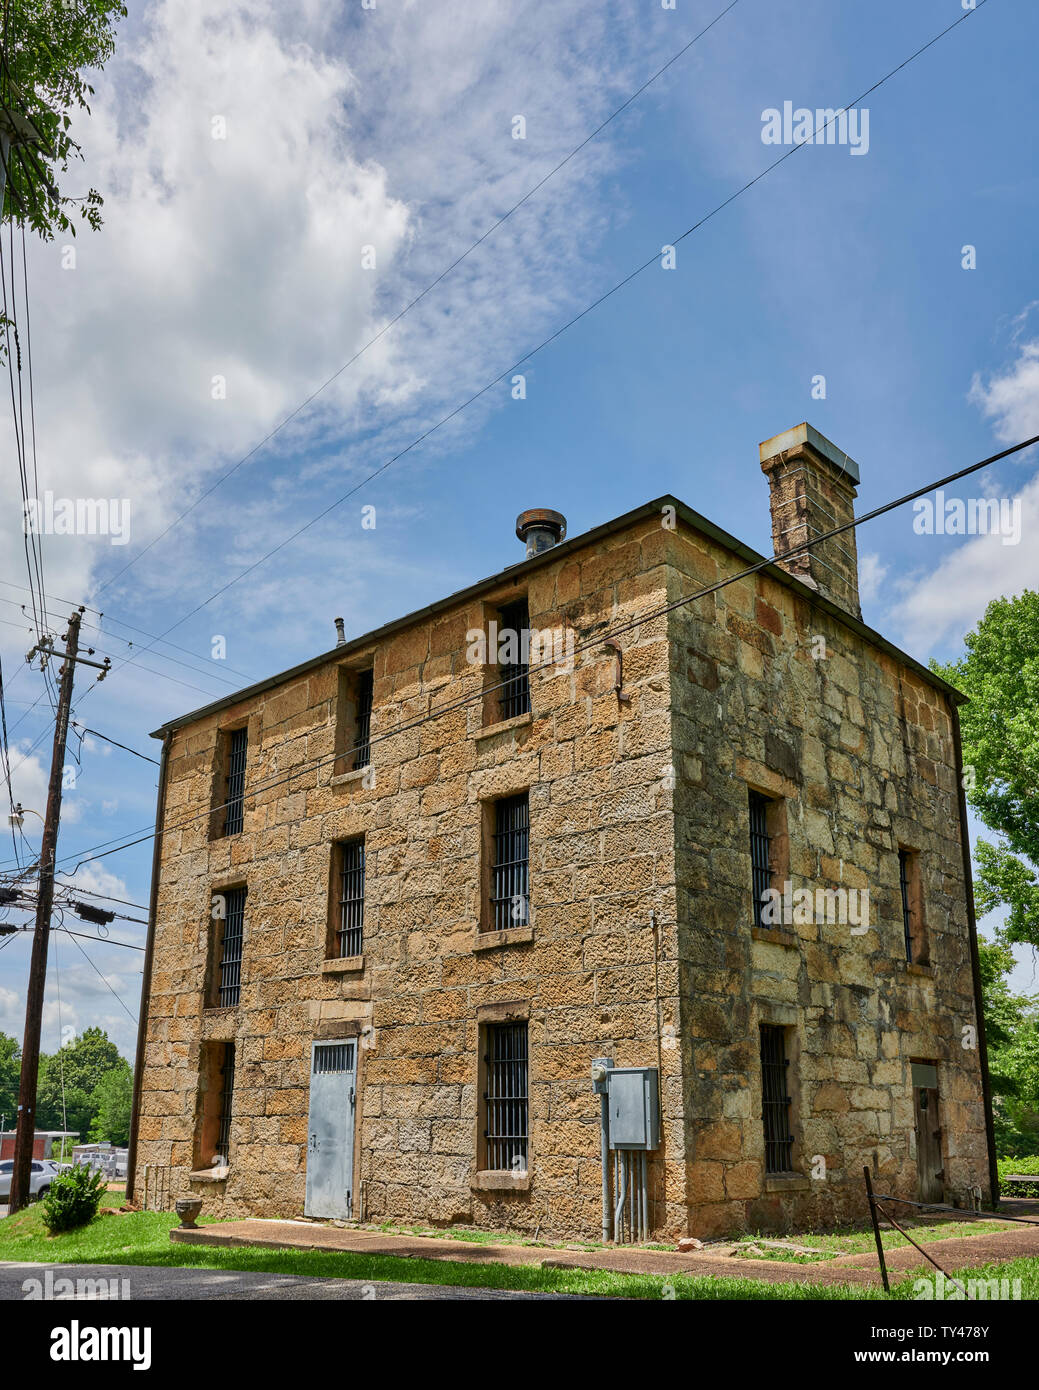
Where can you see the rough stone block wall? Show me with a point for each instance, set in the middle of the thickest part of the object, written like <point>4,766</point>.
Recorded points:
<point>859,750</point>
<point>594,975</point>
<point>640,942</point>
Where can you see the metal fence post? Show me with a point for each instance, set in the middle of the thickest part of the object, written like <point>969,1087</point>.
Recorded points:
<point>876,1229</point>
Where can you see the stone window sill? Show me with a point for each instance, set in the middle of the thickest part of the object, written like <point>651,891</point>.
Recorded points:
<point>489,730</point>
<point>217,1010</point>
<point>209,1175</point>
<point>778,936</point>
<point>345,779</point>
<point>787,1182</point>
<point>342,965</point>
<point>919,968</point>
<point>507,936</point>
<point>494,1181</point>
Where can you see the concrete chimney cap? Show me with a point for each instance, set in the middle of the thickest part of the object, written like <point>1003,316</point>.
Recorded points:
<point>541,517</point>
<point>808,434</point>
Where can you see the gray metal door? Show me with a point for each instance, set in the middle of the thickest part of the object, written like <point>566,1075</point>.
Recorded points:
<point>330,1130</point>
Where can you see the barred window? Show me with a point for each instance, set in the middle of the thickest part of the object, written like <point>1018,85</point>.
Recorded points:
<point>237,743</point>
<point>229,988</point>
<point>215,1105</point>
<point>350,912</point>
<point>510,905</point>
<point>775,1100</point>
<point>514,618</point>
<point>760,852</point>
<point>907,920</point>
<point>365,680</point>
<point>223,1141</point>
<point>505,1100</point>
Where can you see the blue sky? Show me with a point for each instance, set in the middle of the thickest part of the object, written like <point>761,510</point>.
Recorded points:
<point>241,257</point>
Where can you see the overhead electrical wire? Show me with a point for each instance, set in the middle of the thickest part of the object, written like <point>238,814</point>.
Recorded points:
<point>120,622</point>
<point>421,295</point>
<point>608,294</point>
<point>269,784</point>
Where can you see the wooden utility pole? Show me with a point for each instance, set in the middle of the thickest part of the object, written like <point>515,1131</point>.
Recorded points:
<point>38,967</point>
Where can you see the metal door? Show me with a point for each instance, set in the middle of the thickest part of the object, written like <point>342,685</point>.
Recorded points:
<point>930,1172</point>
<point>330,1130</point>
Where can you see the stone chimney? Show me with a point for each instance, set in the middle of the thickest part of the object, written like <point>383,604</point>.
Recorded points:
<point>813,490</point>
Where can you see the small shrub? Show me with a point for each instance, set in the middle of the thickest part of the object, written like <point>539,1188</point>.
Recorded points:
<point>73,1199</point>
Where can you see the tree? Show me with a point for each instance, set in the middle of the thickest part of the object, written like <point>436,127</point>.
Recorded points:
<point>1012,1036</point>
<point>114,1097</point>
<point>75,1073</point>
<point>9,1074</point>
<point>47,46</point>
<point>1000,674</point>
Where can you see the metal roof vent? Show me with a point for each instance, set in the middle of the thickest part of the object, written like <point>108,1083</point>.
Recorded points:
<point>340,632</point>
<point>540,529</point>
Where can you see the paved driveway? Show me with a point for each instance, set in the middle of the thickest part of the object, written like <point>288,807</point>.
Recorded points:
<point>147,1282</point>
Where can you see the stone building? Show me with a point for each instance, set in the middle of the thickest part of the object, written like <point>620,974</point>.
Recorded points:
<point>414,886</point>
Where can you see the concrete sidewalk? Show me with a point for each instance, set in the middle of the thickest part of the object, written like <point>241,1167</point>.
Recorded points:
<point>957,1252</point>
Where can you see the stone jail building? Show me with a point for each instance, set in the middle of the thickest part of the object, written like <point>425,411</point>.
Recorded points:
<point>411,887</point>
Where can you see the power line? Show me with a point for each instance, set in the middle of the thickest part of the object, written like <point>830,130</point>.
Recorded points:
<point>115,636</point>
<point>83,936</point>
<point>121,622</point>
<point>115,743</point>
<point>79,948</point>
<point>608,294</point>
<point>419,297</point>
<point>105,897</point>
<point>270,784</point>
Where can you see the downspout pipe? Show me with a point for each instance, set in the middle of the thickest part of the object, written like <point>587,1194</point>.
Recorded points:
<point>146,981</point>
<point>975,960</point>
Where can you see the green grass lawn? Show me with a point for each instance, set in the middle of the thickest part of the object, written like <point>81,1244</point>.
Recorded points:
<point>859,1240</point>
<point>142,1238</point>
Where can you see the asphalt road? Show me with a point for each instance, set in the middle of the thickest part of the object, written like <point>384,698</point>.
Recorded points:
<point>147,1282</point>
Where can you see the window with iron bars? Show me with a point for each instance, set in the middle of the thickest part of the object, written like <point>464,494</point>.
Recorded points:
<point>223,1140</point>
<point>229,986</point>
<point>515,675</point>
<point>775,1100</point>
<point>505,1098</point>
<point>350,910</point>
<point>362,740</point>
<point>760,852</point>
<point>907,918</point>
<point>237,744</point>
<point>510,877</point>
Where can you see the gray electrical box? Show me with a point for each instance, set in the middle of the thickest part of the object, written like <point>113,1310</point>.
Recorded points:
<point>634,1105</point>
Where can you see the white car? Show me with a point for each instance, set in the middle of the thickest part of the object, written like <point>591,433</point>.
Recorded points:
<point>41,1175</point>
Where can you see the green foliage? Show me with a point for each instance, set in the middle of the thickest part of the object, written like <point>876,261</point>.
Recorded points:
<point>9,1073</point>
<point>73,1200</point>
<point>1012,1036</point>
<point>114,1100</point>
<point>1000,674</point>
<point>48,45</point>
<point>1020,1166</point>
<point>1005,881</point>
<point>80,1067</point>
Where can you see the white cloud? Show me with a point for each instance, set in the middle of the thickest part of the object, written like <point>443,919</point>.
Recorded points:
<point>1011,398</point>
<point>872,572</point>
<point>241,257</point>
<point>951,598</point>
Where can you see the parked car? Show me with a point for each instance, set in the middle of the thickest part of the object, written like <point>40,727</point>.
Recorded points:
<point>41,1174</point>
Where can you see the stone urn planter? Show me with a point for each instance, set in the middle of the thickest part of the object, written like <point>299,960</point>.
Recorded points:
<point>188,1209</point>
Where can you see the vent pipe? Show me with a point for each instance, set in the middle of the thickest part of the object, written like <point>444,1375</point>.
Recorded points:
<point>541,528</point>
<point>340,633</point>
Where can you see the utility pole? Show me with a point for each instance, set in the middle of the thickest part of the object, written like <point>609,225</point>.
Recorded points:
<point>23,1142</point>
